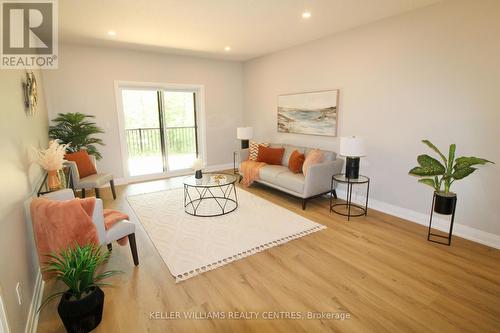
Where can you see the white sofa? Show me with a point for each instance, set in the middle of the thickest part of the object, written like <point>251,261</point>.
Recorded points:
<point>317,181</point>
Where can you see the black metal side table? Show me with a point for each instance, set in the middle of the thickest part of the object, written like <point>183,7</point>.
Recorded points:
<point>341,178</point>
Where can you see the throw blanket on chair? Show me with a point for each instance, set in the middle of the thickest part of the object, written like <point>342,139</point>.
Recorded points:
<point>251,170</point>
<point>110,218</point>
<point>57,225</point>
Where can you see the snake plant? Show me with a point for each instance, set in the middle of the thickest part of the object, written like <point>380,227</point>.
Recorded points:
<point>442,175</point>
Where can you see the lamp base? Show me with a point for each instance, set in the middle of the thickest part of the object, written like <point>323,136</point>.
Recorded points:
<point>245,144</point>
<point>198,174</point>
<point>352,167</point>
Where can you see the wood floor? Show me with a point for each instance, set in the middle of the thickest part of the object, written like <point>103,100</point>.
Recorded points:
<point>379,269</point>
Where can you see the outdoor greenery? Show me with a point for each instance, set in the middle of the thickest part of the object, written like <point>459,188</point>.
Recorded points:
<point>437,174</point>
<point>77,267</point>
<point>78,130</point>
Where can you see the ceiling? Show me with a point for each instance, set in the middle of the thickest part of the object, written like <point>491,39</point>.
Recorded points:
<point>205,27</point>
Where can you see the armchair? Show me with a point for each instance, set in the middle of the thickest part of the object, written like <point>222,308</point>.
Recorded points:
<point>117,231</point>
<point>92,181</point>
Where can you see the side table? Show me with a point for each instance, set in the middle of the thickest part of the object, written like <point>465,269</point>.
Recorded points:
<point>341,178</point>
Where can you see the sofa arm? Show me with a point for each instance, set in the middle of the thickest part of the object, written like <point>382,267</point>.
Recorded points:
<point>319,177</point>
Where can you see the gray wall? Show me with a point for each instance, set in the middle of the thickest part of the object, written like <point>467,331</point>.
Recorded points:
<point>19,179</point>
<point>431,73</point>
<point>85,79</point>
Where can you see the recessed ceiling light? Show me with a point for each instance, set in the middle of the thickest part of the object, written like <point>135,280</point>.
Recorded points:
<point>306,14</point>
<point>227,48</point>
<point>112,33</point>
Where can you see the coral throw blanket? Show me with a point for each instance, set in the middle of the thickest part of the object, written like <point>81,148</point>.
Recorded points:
<point>250,170</point>
<point>57,225</point>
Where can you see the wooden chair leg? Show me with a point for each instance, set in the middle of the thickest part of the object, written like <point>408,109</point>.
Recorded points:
<point>133,248</point>
<point>304,203</point>
<point>110,247</point>
<point>334,193</point>
<point>97,192</point>
<point>112,184</point>
<point>83,193</point>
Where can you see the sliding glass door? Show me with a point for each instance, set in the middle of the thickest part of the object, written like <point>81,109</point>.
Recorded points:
<point>160,130</point>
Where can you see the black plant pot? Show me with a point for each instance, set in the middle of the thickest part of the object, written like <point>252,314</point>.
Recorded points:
<point>83,315</point>
<point>445,203</point>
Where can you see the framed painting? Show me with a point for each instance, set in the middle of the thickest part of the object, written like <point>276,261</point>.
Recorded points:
<point>313,113</point>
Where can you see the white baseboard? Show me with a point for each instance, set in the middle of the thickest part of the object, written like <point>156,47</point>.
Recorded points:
<point>460,230</point>
<point>36,301</point>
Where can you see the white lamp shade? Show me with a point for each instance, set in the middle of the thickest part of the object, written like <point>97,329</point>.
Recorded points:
<point>244,133</point>
<point>352,146</point>
<point>197,164</point>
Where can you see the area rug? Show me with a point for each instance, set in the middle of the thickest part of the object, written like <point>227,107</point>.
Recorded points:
<point>192,245</point>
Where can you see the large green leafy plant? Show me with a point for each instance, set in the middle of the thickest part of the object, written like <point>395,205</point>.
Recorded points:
<point>439,175</point>
<point>77,268</point>
<point>78,130</point>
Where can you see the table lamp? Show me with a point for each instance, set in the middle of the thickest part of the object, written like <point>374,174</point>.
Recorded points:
<point>244,134</point>
<point>352,147</point>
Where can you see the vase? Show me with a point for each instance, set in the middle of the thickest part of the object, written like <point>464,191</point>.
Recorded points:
<point>83,315</point>
<point>53,181</point>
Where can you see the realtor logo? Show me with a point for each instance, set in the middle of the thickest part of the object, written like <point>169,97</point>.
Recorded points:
<point>29,34</point>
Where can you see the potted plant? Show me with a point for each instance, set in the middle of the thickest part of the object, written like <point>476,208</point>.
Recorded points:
<point>76,130</point>
<point>51,159</point>
<point>442,175</point>
<point>81,306</point>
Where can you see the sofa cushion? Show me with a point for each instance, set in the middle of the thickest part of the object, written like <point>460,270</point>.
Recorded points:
<point>327,155</point>
<point>296,161</point>
<point>314,157</point>
<point>291,181</point>
<point>289,149</point>
<point>253,149</point>
<point>270,155</point>
<point>269,173</point>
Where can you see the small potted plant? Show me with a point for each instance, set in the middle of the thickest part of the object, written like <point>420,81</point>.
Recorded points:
<point>442,175</point>
<point>52,159</point>
<point>81,306</point>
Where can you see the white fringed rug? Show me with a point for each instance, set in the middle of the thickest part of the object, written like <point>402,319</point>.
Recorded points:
<point>192,245</point>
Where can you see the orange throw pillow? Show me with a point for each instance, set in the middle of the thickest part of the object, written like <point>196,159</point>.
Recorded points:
<point>83,163</point>
<point>314,157</point>
<point>270,155</point>
<point>296,161</point>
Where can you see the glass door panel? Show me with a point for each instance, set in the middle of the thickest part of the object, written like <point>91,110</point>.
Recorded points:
<point>142,132</point>
<point>180,129</point>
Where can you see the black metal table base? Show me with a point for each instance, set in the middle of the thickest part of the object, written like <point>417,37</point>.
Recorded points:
<point>446,239</point>
<point>192,205</point>
<point>349,205</point>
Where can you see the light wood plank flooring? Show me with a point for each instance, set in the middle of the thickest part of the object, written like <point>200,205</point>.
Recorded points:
<point>380,269</point>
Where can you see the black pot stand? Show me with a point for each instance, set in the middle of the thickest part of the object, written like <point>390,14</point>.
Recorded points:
<point>445,206</point>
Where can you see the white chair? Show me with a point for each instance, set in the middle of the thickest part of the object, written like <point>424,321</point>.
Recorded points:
<point>118,230</point>
<point>92,181</point>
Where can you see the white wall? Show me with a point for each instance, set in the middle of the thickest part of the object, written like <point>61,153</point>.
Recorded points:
<point>432,73</point>
<point>19,180</point>
<point>85,79</point>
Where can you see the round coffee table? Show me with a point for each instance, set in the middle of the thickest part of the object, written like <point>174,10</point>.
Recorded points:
<point>212,195</point>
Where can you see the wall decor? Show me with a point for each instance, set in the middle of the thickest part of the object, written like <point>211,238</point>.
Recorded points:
<point>309,113</point>
<point>30,93</point>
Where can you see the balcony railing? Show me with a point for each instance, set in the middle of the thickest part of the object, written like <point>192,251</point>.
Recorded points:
<point>147,141</point>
